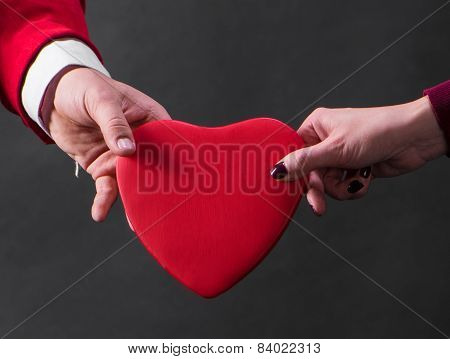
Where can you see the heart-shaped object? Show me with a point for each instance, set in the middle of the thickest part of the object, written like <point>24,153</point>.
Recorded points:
<point>202,200</point>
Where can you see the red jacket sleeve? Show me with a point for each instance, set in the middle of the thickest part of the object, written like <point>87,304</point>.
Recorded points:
<point>26,27</point>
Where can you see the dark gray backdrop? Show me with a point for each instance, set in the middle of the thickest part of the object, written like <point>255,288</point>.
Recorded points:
<point>217,62</point>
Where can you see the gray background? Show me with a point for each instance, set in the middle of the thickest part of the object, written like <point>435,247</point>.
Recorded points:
<point>217,62</point>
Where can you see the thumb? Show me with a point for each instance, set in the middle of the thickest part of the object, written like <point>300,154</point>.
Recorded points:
<point>115,128</point>
<point>299,163</point>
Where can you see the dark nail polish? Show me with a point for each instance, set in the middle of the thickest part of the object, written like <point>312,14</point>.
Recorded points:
<point>279,171</point>
<point>354,186</point>
<point>365,172</point>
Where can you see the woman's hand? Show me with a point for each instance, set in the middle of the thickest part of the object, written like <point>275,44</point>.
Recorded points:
<point>346,148</point>
<point>90,117</point>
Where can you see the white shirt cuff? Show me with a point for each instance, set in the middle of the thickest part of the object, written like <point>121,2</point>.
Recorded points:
<point>48,63</point>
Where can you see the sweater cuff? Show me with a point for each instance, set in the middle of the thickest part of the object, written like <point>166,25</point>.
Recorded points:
<point>439,97</point>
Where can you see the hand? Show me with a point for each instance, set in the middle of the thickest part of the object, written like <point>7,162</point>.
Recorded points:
<point>90,117</point>
<point>346,148</point>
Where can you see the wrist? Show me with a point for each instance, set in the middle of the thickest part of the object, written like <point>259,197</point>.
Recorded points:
<point>48,99</point>
<point>426,135</point>
<point>47,63</point>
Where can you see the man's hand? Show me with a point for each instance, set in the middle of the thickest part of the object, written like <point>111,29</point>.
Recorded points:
<point>90,117</point>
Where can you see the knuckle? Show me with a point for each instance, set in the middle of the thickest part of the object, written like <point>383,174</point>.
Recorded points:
<point>299,159</point>
<point>97,99</point>
<point>104,95</point>
<point>320,112</point>
<point>337,143</point>
<point>117,124</point>
<point>151,112</point>
<point>155,111</point>
<point>105,189</point>
<point>338,151</point>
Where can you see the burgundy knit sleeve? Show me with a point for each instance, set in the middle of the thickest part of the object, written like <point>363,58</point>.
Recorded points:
<point>439,96</point>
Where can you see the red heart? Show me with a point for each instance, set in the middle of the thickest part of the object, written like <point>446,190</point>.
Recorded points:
<point>202,200</point>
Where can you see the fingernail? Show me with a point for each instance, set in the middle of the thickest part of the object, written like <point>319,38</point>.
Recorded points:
<point>125,144</point>
<point>365,172</point>
<point>279,171</point>
<point>354,186</point>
